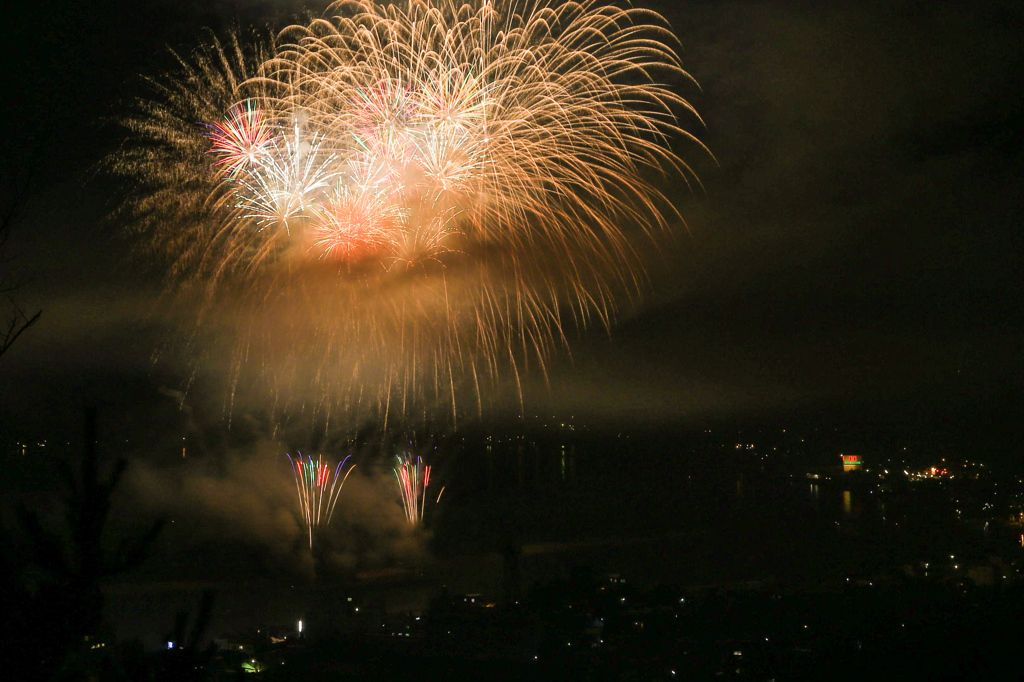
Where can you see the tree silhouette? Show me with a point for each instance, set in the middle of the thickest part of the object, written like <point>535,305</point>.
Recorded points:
<point>15,180</point>
<point>189,661</point>
<point>65,608</point>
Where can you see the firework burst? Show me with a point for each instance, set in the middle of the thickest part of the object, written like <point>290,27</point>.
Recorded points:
<point>413,479</point>
<point>318,488</point>
<point>400,200</point>
<point>240,140</point>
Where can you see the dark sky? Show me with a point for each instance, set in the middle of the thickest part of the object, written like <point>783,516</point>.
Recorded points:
<point>854,255</point>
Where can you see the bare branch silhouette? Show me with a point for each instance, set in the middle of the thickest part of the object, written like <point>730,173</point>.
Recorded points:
<point>15,182</point>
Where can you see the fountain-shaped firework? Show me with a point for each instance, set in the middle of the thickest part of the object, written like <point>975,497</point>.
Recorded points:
<point>413,479</point>
<point>318,488</point>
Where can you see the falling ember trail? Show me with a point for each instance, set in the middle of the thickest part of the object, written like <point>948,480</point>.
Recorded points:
<point>318,488</point>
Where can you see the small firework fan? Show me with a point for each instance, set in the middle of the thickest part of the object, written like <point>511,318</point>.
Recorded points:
<point>318,488</point>
<point>413,479</point>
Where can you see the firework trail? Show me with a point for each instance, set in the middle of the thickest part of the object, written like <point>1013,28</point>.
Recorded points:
<point>413,479</point>
<point>318,488</point>
<point>415,197</point>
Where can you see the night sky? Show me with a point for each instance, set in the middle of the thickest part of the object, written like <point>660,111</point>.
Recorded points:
<point>853,257</point>
<point>855,250</point>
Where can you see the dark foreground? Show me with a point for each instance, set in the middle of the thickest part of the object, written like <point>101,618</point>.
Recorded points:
<point>911,628</point>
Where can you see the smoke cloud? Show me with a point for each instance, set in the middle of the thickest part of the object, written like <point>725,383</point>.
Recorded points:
<point>240,509</point>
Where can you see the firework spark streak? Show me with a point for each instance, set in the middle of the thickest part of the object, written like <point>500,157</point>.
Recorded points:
<point>413,479</point>
<point>417,196</point>
<point>318,488</point>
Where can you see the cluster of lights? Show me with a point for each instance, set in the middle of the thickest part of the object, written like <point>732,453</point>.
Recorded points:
<point>929,473</point>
